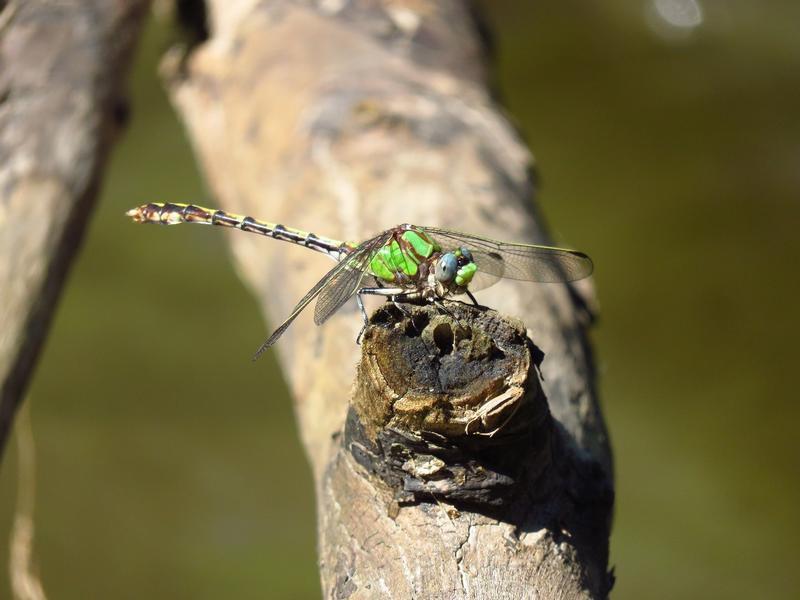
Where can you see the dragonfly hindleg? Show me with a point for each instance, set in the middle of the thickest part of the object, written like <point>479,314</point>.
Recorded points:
<point>387,292</point>
<point>440,305</point>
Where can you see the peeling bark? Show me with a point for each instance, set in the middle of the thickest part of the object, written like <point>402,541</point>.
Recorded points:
<point>346,118</point>
<point>61,71</point>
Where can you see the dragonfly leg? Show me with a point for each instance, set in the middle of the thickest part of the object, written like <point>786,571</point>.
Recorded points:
<point>440,305</point>
<point>390,293</point>
<point>396,299</point>
<point>360,303</point>
<point>471,297</point>
<point>400,307</point>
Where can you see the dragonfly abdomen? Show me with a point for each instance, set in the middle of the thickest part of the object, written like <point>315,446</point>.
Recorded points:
<point>174,213</point>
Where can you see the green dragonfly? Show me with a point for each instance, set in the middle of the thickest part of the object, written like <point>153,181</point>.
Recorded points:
<point>404,263</point>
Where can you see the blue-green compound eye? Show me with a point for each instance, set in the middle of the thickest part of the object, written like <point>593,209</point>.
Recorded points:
<point>446,268</point>
<point>466,254</point>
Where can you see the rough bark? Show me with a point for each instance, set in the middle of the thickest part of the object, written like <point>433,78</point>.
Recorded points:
<point>345,118</point>
<point>61,69</point>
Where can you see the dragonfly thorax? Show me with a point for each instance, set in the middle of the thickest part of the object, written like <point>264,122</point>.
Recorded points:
<point>410,259</point>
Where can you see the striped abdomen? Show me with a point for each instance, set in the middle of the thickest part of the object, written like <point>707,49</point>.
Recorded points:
<point>172,214</point>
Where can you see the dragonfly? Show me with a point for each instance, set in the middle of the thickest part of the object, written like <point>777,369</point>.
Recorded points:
<point>407,263</point>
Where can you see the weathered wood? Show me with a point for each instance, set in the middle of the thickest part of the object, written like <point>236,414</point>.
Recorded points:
<point>345,118</point>
<point>61,70</point>
<point>450,429</point>
<point>448,407</point>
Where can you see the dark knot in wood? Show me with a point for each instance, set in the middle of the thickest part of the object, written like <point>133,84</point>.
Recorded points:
<point>448,405</point>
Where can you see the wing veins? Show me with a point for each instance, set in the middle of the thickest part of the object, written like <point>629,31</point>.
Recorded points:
<point>362,250</point>
<point>530,262</point>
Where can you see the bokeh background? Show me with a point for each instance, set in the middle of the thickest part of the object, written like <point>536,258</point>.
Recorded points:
<point>667,136</point>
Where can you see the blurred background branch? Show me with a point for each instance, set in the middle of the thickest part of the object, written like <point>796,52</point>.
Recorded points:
<point>62,66</point>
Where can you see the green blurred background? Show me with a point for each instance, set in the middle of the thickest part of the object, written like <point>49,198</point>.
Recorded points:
<point>168,463</point>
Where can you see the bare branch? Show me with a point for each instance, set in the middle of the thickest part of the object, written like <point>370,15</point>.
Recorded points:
<point>346,118</point>
<point>61,67</point>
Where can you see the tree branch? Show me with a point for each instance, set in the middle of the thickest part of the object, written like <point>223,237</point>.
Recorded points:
<point>62,67</point>
<point>346,118</point>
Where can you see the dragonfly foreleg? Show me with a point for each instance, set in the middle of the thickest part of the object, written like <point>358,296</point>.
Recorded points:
<point>471,297</point>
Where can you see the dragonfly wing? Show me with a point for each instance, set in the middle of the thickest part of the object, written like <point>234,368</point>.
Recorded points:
<point>526,262</point>
<point>489,272</point>
<point>343,284</point>
<point>330,279</point>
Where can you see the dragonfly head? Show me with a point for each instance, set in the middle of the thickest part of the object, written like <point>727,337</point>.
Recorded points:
<point>456,268</point>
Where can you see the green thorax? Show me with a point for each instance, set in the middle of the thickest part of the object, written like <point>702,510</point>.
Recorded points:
<point>400,257</point>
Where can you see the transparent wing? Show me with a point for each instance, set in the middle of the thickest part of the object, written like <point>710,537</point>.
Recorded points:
<point>526,262</point>
<point>343,284</point>
<point>482,280</point>
<point>332,279</point>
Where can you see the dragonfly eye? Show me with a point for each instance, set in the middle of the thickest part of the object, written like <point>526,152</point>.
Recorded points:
<point>446,268</point>
<point>466,254</point>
